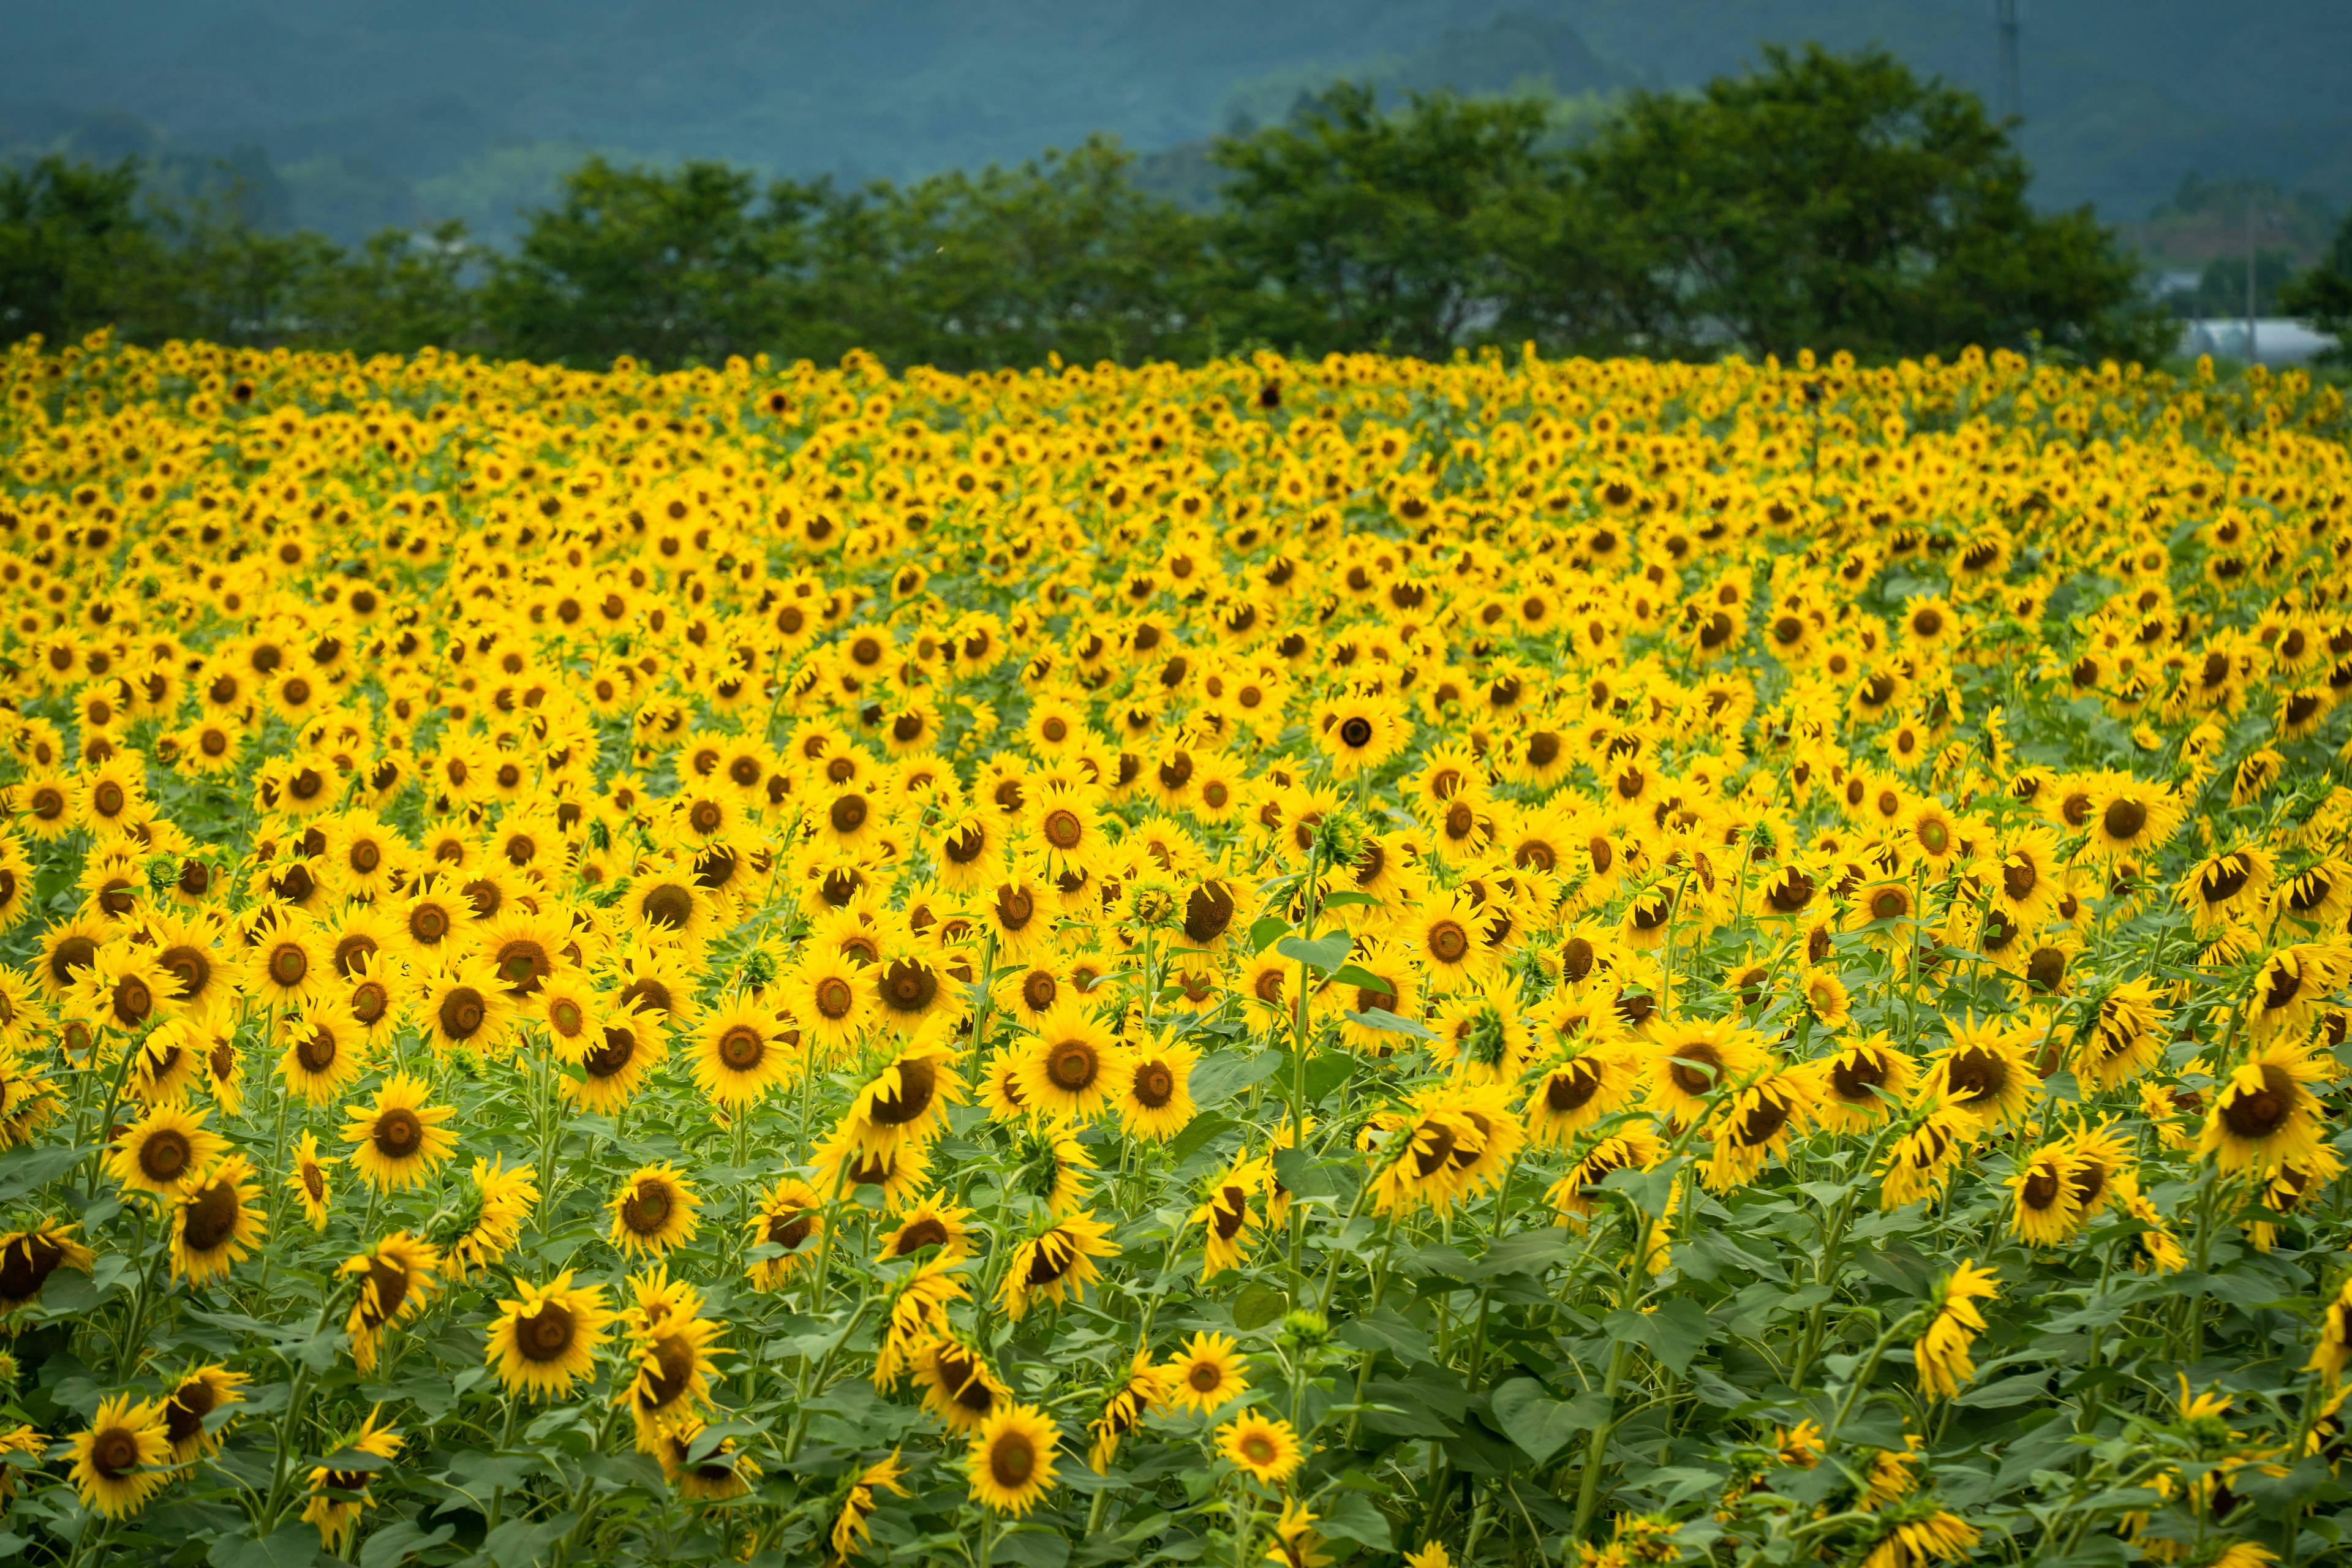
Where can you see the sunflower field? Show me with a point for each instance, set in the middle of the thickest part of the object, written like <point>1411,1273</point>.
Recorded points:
<point>1501,961</point>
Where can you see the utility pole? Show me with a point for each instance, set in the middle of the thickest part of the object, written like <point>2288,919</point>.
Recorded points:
<point>2012,93</point>
<point>2251,356</point>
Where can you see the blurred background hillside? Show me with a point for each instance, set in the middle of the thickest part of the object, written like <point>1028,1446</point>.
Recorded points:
<point>347,116</point>
<point>993,180</point>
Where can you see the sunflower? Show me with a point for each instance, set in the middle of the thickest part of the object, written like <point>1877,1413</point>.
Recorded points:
<point>2128,817</point>
<point>1067,828</point>
<point>68,949</point>
<point>1048,1162</point>
<point>1073,1065</point>
<point>490,1223</point>
<point>338,1498</point>
<point>1056,1264</point>
<point>2295,982</point>
<point>1754,1123</point>
<point>119,1462</point>
<point>1155,1101</point>
<point>1295,1543</point>
<point>667,907</point>
<point>464,1008</point>
<point>957,1383</point>
<point>310,1182</point>
<point>2125,1037</point>
<point>1923,1158</point>
<point>396,1281</point>
<point>1447,939</point>
<point>1982,1073</point>
<point>1397,994</point>
<point>1011,1459</point>
<point>2227,888</point>
<point>844,1163</point>
<point>430,920</point>
<point>197,1396</point>
<point>213,1225</point>
<point>1941,1351</point>
<point>850,1530</point>
<point>324,1055</point>
<point>524,950</point>
<point>1481,1034</point>
<point>790,1217</point>
<point>2047,1209</point>
<point>907,991</point>
<point>1266,1450</point>
<point>399,1140</point>
<point>740,1053</point>
<point>1861,1083</point>
<point>908,1100</point>
<point>288,966</point>
<point>125,990</point>
<point>938,1221</point>
<point>830,997</point>
<point>611,1073</point>
<point>1573,1095</point>
<point>1690,1063</point>
<point>1577,1193</point>
<point>1358,730</point>
<point>672,1346</point>
<point>545,1340</point>
<point>703,1470</point>
<point>2263,1115</point>
<point>163,1151</point>
<point>27,1259</point>
<point>652,1212</point>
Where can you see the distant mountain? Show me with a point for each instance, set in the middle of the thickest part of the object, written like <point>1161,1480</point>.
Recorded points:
<point>363,112</point>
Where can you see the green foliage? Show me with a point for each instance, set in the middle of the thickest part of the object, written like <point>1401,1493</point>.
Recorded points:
<point>1821,201</point>
<point>1352,230</point>
<point>2323,295</point>
<point>1843,202</point>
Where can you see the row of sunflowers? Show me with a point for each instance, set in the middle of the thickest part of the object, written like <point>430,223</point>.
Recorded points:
<point>1490,963</point>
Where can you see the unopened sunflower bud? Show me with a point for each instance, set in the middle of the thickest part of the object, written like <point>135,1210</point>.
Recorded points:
<point>1341,836</point>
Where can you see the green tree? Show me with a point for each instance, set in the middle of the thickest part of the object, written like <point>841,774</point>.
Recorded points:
<point>1350,229</point>
<point>397,293</point>
<point>1842,202</point>
<point>2322,297</point>
<point>1060,256</point>
<point>675,268</point>
<point>72,242</point>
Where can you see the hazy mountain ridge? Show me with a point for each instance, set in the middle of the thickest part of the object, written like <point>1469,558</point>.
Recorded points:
<point>371,112</point>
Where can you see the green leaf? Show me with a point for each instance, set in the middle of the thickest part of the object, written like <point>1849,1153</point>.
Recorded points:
<point>1539,1424</point>
<point>1264,931</point>
<point>1036,1546</point>
<point>1673,1332</point>
<point>1525,1252</point>
<point>1360,978</point>
<point>1999,1395</point>
<point>1217,1079</point>
<point>1347,897</point>
<point>1197,1133</point>
<point>293,1544</point>
<point>1352,1517</point>
<point>1385,1329</point>
<point>1326,952</point>
<point>1297,1172</point>
<point>1382,1019</point>
<point>1259,1305</point>
<point>398,1542</point>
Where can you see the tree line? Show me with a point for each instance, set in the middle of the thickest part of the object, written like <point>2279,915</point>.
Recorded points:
<point>1821,200</point>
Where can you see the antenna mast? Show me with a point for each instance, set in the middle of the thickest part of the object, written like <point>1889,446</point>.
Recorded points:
<point>2012,97</point>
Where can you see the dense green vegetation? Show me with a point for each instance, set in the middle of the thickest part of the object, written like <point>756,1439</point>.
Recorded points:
<point>1822,201</point>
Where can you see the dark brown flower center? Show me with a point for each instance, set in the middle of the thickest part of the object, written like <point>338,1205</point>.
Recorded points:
<point>462,1011</point>
<point>547,1334</point>
<point>398,1134</point>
